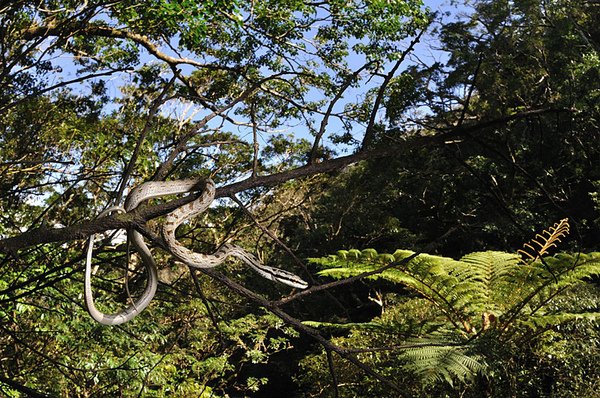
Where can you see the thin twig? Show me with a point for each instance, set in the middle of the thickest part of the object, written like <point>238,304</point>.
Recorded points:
<point>149,120</point>
<point>206,303</point>
<point>334,379</point>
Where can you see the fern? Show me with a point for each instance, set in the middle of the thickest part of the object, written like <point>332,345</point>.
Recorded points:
<point>483,297</point>
<point>425,274</point>
<point>498,280</point>
<point>551,320</point>
<point>495,283</point>
<point>542,243</point>
<point>555,276</point>
<point>434,363</point>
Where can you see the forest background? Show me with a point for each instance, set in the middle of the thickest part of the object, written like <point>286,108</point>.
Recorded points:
<point>432,172</point>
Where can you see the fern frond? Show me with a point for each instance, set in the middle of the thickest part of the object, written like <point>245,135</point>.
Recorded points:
<point>563,271</point>
<point>496,274</point>
<point>545,321</point>
<point>570,267</point>
<point>443,363</point>
<point>542,243</point>
<point>480,283</point>
<point>370,326</point>
<point>434,277</point>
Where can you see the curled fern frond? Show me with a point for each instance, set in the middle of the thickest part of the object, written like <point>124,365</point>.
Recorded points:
<point>542,243</point>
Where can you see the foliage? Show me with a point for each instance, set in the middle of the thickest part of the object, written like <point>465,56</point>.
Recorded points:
<point>464,313</point>
<point>501,172</point>
<point>472,131</point>
<point>182,355</point>
<point>97,97</point>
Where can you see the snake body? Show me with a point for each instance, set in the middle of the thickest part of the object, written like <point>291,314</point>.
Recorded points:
<point>200,260</point>
<point>155,189</point>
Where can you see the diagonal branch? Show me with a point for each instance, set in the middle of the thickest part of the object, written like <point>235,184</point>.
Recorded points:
<point>369,132</point>
<point>136,218</point>
<point>351,79</point>
<point>83,230</point>
<point>300,327</point>
<point>158,101</point>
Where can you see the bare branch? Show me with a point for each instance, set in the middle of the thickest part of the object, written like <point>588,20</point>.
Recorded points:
<point>380,93</point>
<point>339,94</point>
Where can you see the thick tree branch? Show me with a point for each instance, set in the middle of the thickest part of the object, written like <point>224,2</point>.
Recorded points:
<point>466,130</point>
<point>136,218</point>
<point>304,171</point>
<point>140,216</point>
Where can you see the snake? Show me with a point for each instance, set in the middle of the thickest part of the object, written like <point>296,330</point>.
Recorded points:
<point>154,189</point>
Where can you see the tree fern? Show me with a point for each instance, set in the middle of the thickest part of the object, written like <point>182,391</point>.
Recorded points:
<point>553,319</point>
<point>555,276</point>
<point>484,293</point>
<point>482,282</point>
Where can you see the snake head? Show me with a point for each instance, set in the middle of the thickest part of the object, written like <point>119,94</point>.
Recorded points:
<point>287,278</point>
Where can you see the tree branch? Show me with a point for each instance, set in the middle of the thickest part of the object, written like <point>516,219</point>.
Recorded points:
<point>339,94</point>
<point>106,31</point>
<point>136,218</point>
<point>140,216</point>
<point>380,93</point>
<point>300,327</point>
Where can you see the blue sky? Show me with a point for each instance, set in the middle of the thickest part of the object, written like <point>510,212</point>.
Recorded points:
<point>424,52</point>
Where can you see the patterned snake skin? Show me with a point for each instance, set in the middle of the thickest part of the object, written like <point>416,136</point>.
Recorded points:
<point>151,190</point>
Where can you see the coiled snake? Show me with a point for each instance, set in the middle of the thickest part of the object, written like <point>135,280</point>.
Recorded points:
<point>151,190</point>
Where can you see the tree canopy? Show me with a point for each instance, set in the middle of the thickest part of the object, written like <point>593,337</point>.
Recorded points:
<point>443,135</point>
